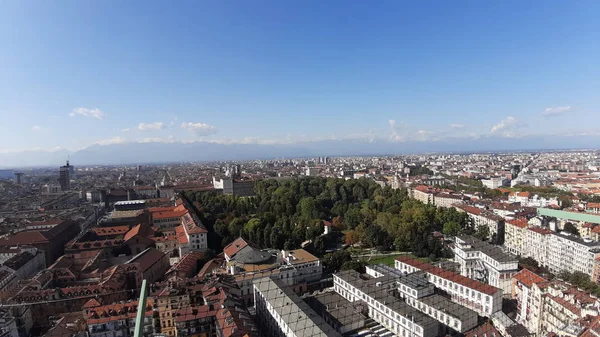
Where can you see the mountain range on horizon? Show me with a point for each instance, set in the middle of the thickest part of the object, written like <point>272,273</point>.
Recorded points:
<point>144,153</point>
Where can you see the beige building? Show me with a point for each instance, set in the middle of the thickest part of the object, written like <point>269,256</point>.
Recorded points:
<point>168,301</point>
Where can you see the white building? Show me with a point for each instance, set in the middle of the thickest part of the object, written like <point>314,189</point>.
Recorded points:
<point>308,267</point>
<point>419,293</point>
<point>395,315</point>
<point>283,313</point>
<point>480,297</point>
<point>570,253</point>
<point>493,222</point>
<point>492,183</point>
<point>312,171</point>
<point>485,262</point>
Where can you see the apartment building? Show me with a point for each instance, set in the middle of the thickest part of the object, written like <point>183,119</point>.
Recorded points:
<point>419,293</point>
<point>535,244</point>
<point>571,253</point>
<point>169,301</point>
<point>434,196</point>
<point>493,222</point>
<point>394,314</point>
<point>514,236</point>
<point>480,297</point>
<point>282,313</point>
<point>116,320</point>
<point>527,290</point>
<point>565,307</point>
<point>485,262</point>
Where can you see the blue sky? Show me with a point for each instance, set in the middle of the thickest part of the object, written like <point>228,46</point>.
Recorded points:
<point>75,73</point>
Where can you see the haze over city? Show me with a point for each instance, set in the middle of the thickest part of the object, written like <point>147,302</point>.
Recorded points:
<point>78,74</point>
<point>299,168</point>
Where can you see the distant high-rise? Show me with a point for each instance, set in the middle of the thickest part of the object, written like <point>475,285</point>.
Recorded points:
<point>18,176</point>
<point>65,177</point>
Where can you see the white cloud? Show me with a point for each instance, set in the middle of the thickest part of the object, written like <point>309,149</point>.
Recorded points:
<point>151,126</point>
<point>456,126</point>
<point>507,127</point>
<point>125,130</point>
<point>556,111</point>
<point>200,129</point>
<point>36,128</point>
<point>113,140</point>
<point>95,113</point>
<point>169,139</point>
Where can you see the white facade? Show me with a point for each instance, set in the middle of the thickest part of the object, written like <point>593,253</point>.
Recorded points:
<point>483,299</point>
<point>485,262</point>
<point>384,308</point>
<point>567,252</point>
<point>492,183</point>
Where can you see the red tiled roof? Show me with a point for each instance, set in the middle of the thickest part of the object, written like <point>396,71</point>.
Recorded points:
<point>539,230</point>
<point>191,313</point>
<point>448,275</point>
<point>148,258</point>
<point>528,278</point>
<point>181,237</point>
<point>518,223</point>
<point>168,214</point>
<point>486,329</point>
<point>593,205</point>
<point>115,230</point>
<point>234,247</point>
<point>187,264</point>
<point>141,229</point>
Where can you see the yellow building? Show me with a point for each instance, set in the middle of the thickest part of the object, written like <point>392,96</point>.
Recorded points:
<point>168,301</point>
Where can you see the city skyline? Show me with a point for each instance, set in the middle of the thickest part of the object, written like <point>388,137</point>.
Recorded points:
<point>287,74</point>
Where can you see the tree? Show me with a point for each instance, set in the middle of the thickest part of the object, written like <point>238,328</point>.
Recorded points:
<point>572,229</point>
<point>482,233</point>
<point>319,246</point>
<point>352,218</point>
<point>338,223</point>
<point>334,261</point>
<point>359,266</point>
<point>452,228</point>
<point>352,237</point>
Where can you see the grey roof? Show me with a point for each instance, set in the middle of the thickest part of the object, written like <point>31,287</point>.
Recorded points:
<point>251,255</point>
<point>380,290</point>
<point>385,269</point>
<point>297,315</point>
<point>448,307</point>
<point>490,250</point>
<point>337,307</point>
<point>417,280</point>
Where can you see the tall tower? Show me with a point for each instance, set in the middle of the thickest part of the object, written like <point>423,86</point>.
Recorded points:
<point>18,176</point>
<point>65,177</point>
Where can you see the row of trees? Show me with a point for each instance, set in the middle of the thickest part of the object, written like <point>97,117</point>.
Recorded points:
<point>285,213</point>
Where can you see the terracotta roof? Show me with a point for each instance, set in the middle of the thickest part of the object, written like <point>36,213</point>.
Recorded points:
<point>528,278</point>
<point>518,223</point>
<point>539,230</point>
<point>593,205</point>
<point>234,247</point>
<point>186,267</point>
<point>191,313</point>
<point>147,258</point>
<point>486,329</point>
<point>115,230</point>
<point>141,229</point>
<point>117,311</point>
<point>181,237</point>
<point>448,275</point>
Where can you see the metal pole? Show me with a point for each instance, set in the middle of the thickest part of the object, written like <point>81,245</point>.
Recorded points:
<point>141,312</point>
